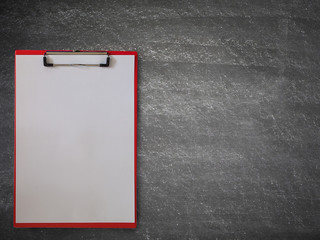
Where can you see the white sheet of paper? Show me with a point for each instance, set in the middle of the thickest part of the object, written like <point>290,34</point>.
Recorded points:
<point>75,140</point>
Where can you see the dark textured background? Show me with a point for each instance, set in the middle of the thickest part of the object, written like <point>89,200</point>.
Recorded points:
<point>229,111</point>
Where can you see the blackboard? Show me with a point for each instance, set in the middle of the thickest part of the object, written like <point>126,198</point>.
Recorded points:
<point>228,111</point>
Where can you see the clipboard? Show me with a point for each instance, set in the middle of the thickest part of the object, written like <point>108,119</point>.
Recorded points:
<point>75,139</point>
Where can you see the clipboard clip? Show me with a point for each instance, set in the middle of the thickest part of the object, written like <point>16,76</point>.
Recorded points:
<point>75,52</point>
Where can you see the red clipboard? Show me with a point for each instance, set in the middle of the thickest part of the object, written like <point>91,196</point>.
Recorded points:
<point>68,224</point>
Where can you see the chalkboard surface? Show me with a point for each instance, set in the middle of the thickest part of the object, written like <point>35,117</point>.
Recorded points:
<point>229,111</point>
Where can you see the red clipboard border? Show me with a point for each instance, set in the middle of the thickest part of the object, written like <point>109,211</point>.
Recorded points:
<point>88,224</point>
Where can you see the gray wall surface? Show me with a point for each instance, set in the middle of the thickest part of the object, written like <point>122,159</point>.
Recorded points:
<point>228,111</point>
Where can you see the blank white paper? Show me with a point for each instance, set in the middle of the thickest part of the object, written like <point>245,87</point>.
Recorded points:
<point>75,140</point>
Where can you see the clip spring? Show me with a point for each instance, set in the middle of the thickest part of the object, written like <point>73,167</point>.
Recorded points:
<point>75,52</point>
